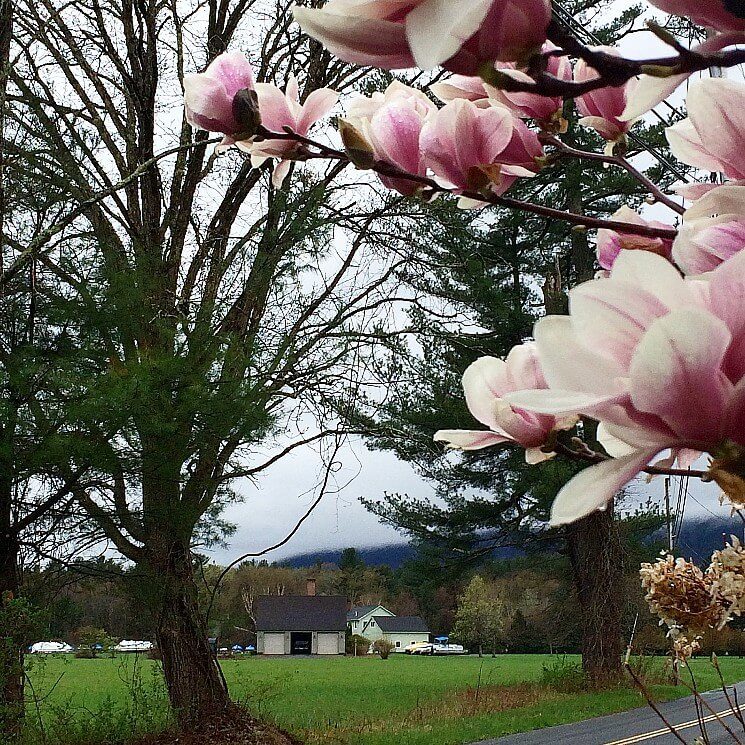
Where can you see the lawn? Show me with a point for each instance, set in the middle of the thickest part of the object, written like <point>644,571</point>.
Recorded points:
<point>404,700</point>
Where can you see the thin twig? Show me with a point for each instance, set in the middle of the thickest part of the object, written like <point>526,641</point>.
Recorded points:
<point>735,710</point>
<point>652,704</point>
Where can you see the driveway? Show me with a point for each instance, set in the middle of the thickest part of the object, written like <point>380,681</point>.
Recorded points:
<point>639,726</point>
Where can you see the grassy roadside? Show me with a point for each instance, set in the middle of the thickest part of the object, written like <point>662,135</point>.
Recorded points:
<point>409,701</point>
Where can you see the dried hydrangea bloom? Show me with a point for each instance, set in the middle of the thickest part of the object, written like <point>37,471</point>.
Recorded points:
<point>727,576</point>
<point>679,593</point>
<point>684,648</point>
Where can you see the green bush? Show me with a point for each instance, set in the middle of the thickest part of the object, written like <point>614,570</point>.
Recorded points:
<point>357,646</point>
<point>564,675</point>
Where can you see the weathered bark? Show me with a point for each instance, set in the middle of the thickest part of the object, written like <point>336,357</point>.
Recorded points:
<point>594,542</point>
<point>597,567</point>
<point>196,687</point>
<point>11,646</point>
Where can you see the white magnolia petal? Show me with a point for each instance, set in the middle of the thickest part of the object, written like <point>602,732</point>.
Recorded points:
<point>534,456</point>
<point>465,439</point>
<point>436,33</point>
<point>484,381</point>
<point>281,172</point>
<point>613,315</point>
<point>612,444</point>
<point>570,365</point>
<point>676,373</point>
<point>557,402</point>
<point>592,489</point>
<point>648,92</point>
<point>654,274</point>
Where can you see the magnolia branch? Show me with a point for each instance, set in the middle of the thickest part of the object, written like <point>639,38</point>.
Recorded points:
<point>612,71</point>
<point>432,187</point>
<point>584,453</point>
<point>614,160</point>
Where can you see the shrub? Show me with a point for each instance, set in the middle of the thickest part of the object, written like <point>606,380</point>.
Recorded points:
<point>564,675</point>
<point>650,670</point>
<point>357,645</point>
<point>383,647</point>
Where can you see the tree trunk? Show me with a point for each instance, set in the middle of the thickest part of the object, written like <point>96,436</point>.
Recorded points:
<point>597,564</point>
<point>11,645</point>
<point>196,687</point>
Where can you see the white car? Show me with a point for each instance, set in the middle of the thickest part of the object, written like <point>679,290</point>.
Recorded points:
<point>131,645</point>
<point>448,649</point>
<point>51,648</point>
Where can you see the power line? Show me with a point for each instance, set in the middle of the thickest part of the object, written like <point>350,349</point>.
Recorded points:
<point>572,24</point>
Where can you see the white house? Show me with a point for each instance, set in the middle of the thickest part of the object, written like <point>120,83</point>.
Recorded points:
<point>361,620</point>
<point>377,622</point>
<point>402,630</point>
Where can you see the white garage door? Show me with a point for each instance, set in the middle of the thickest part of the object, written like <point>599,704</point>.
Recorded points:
<point>328,643</point>
<point>274,643</point>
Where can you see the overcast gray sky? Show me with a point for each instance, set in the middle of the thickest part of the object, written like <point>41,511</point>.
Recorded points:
<point>275,504</point>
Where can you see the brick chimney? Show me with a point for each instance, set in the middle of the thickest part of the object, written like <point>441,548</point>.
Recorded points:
<point>311,585</point>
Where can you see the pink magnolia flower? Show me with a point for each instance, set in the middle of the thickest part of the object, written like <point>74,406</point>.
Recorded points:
<point>208,96</point>
<point>718,14</point>
<point>713,230</point>
<point>603,108</point>
<point>392,123</point>
<point>610,243</point>
<point>470,147</point>
<point>658,359</point>
<point>713,136</point>
<point>405,33</point>
<point>469,87</point>
<point>279,110</point>
<point>544,109</point>
<point>485,383</point>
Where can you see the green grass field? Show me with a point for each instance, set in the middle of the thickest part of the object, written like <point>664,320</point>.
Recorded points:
<point>404,700</point>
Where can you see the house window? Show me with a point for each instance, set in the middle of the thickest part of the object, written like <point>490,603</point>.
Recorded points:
<point>355,624</point>
<point>398,644</point>
<point>372,623</point>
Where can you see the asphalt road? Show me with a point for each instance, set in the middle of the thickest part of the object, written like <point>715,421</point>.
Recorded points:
<point>640,726</point>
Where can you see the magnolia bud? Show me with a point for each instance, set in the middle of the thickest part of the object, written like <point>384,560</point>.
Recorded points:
<point>359,150</point>
<point>246,113</point>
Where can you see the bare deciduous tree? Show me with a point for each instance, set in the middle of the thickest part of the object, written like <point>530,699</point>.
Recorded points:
<point>226,310</point>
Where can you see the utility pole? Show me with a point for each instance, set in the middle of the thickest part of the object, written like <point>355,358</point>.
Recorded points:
<point>670,536</point>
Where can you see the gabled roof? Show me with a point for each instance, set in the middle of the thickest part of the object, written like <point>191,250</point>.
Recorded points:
<point>300,613</point>
<point>401,624</point>
<point>359,611</point>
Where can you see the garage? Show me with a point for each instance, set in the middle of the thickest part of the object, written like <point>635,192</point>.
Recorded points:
<point>274,643</point>
<point>328,643</point>
<point>300,624</point>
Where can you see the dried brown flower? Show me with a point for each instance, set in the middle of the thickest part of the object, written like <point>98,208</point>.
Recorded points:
<point>727,576</point>
<point>680,594</point>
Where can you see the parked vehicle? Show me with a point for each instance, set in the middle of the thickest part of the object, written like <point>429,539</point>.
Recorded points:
<point>50,648</point>
<point>413,647</point>
<point>133,645</point>
<point>437,648</point>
